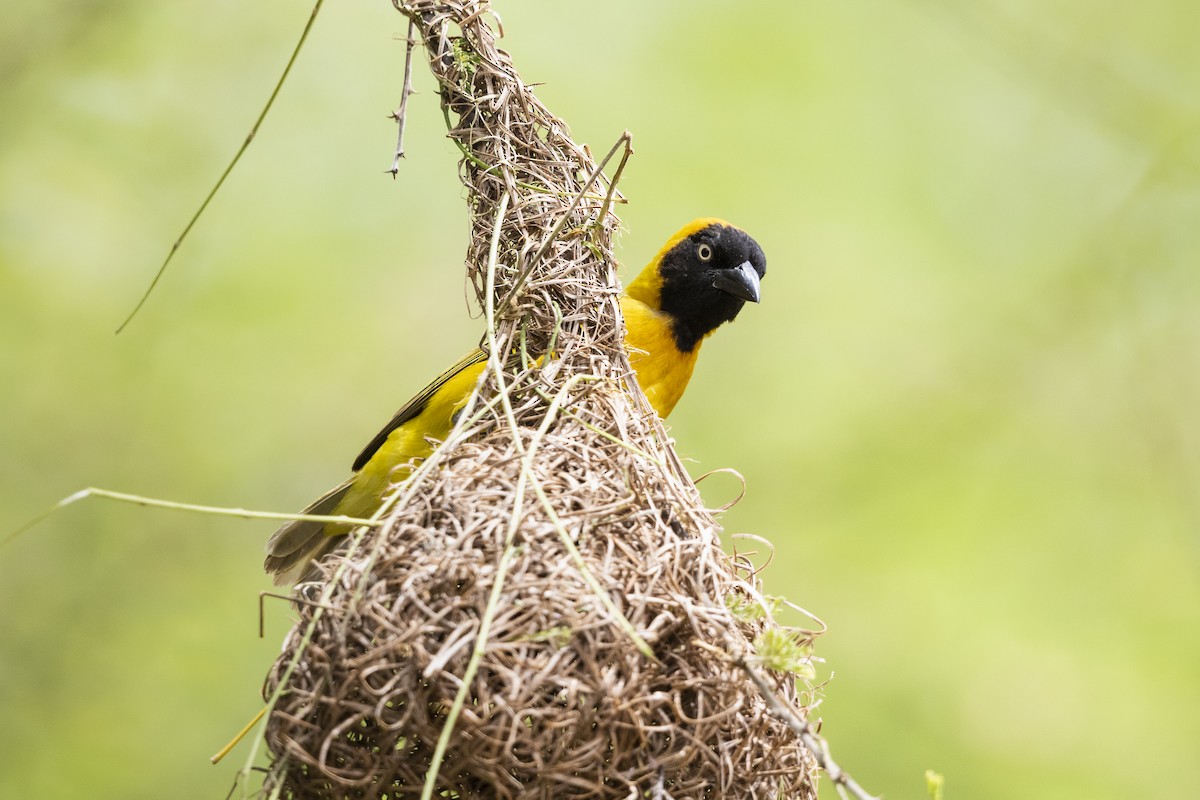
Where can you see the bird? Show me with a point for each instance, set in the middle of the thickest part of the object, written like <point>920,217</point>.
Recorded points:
<point>700,279</point>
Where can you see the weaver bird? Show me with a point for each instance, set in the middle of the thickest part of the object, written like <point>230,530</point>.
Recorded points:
<point>700,279</point>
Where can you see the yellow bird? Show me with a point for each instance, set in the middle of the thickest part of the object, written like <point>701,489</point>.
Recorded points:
<point>700,279</point>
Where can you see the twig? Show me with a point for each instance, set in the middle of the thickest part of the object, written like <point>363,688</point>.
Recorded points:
<point>815,743</point>
<point>224,751</point>
<point>401,113</point>
<point>627,138</point>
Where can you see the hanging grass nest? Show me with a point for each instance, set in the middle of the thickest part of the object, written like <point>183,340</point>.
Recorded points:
<point>546,610</point>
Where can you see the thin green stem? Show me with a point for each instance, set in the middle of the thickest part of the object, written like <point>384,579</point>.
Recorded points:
<point>228,169</point>
<point>152,502</point>
<point>489,614</point>
<point>577,557</point>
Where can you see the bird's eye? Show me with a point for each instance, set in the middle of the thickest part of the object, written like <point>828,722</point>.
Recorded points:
<point>704,252</point>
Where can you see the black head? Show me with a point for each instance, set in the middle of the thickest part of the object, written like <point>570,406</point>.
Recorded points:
<point>708,272</point>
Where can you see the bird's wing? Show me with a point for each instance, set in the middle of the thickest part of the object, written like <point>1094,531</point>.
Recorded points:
<point>415,406</point>
<point>293,547</point>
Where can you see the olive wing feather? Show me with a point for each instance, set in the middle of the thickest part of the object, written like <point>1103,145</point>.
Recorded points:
<point>415,406</point>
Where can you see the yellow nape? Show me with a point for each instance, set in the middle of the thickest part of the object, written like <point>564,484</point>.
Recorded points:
<point>663,371</point>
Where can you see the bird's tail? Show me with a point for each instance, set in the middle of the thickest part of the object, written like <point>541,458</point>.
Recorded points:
<point>292,549</point>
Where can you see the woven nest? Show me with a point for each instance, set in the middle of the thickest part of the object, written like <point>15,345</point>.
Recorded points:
<point>546,609</point>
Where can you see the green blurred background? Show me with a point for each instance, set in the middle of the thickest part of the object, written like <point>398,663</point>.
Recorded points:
<point>966,410</point>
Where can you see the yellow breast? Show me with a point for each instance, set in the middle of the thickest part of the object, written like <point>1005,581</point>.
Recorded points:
<point>662,370</point>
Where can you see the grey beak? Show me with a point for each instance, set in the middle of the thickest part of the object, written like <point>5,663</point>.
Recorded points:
<point>741,282</point>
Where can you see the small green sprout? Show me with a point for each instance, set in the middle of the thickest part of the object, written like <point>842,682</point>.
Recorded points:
<point>466,60</point>
<point>780,650</point>
<point>746,609</point>
<point>935,783</point>
<point>559,636</point>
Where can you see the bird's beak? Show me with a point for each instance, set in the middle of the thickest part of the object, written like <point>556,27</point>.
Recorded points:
<point>741,282</point>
